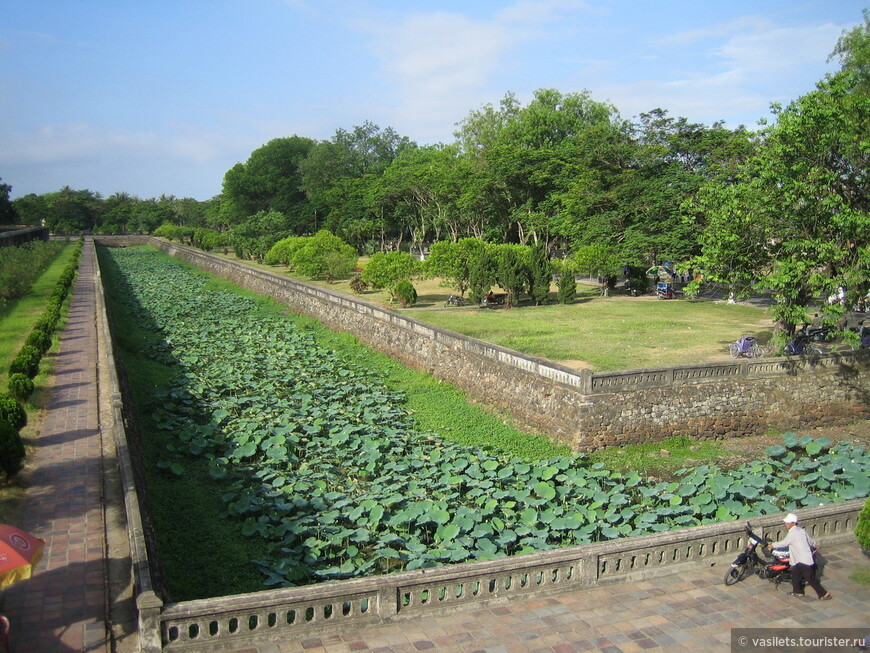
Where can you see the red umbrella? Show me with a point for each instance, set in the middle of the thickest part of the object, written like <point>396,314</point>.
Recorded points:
<point>19,553</point>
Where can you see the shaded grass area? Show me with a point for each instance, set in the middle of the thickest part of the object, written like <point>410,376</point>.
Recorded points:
<point>660,458</point>
<point>204,554</point>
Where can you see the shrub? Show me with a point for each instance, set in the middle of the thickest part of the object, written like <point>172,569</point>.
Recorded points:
<point>11,449</point>
<point>862,530</point>
<point>283,251</point>
<point>567,288</point>
<point>12,411</point>
<point>27,362</point>
<point>24,365</point>
<point>387,269</point>
<point>405,292</point>
<point>40,339</point>
<point>46,324</point>
<point>20,386</point>
<point>358,285</point>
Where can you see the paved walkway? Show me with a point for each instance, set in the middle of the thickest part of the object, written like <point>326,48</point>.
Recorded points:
<point>671,613</point>
<point>79,598</point>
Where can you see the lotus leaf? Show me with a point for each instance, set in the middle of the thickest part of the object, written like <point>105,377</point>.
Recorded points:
<point>544,490</point>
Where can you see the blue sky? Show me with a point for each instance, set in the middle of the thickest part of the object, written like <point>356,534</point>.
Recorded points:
<point>163,96</point>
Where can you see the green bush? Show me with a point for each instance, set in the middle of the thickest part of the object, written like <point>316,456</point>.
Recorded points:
<point>358,285</point>
<point>862,530</point>
<point>12,411</point>
<point>404,292</point>
<point>11,449</point>
<point>46,324</point>
<point>52,312</point>
<point>24,365</point>
<point>40,339</point>
<point>20,386</point>
<point>27,362</point>
<point>282,252</point>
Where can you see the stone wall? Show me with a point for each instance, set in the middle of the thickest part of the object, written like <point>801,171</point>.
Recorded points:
<point>583,410</point>
<point>21,236</point>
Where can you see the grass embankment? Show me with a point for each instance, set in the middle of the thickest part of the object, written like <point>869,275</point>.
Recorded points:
<point>16,321</point>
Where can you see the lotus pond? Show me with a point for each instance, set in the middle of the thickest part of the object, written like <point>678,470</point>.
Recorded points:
<point>322,464</point>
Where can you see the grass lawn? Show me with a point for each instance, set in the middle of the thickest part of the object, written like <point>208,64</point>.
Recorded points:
<point>600,333</point>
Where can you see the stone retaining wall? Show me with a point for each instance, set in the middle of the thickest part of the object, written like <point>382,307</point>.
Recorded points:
<point>21,236</point>
<point>583,410</point>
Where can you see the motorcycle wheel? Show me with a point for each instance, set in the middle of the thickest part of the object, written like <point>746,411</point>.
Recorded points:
<point>736,574</point>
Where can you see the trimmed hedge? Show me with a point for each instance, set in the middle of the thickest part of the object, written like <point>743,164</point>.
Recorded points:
<point>862,530</point>
<point>12,411</point>
<point>20,386</point>
<point>11,449</point>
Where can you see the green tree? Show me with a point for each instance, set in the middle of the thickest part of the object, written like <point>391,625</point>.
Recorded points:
<point>253,237</point>
<point>8,214</point>
<point>32,209</point>
<point>340,179</point>
<point>324,256</point>
<point>540,274</point>
<point>270,180</point>
<point>512,271</point>
<point>813,174</point>
<point>386,269</point>
<point>735,236</point>
<point>482,274</point>
<point>853,50</point>
<point>453,261</point>
<point>567,292</point>
<point>72,211</point>
<point>598,260</point>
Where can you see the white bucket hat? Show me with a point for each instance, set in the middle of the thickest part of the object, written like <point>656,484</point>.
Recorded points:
<point>790,518</point>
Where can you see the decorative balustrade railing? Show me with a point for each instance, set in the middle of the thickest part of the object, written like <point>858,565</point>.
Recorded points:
<point>298,612</point>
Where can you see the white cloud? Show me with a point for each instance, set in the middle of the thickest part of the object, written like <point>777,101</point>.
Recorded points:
<point>774,51</point>
<point>438,65</point>
<point>69,143</point>
<point>753,66</point>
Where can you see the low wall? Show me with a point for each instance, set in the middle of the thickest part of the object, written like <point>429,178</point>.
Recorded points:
<point>19,237</point>
<point>586,411</point>
<point>232,622</point>
<point>294,613</point>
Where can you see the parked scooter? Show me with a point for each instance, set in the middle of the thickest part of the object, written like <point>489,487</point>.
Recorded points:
<point>775,568</point>
<point>802,344</point>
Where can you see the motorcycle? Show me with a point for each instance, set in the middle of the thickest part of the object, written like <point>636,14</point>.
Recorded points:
<point>775,568</point>
<point>802,344</point>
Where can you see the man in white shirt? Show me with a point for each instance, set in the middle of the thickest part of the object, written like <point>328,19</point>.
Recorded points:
<point>800,552</point>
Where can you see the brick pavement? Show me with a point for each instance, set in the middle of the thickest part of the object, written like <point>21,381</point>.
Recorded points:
<point>671,613</point>
<point>64,606</point>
